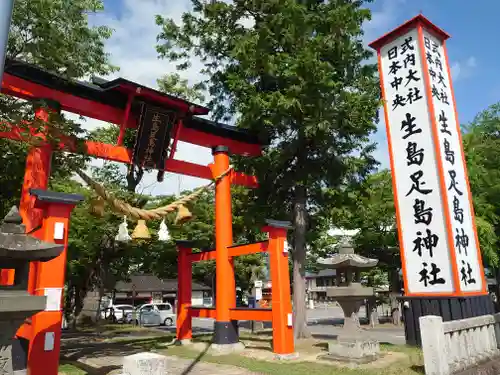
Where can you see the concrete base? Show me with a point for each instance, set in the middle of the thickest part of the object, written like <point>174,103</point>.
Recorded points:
<point>145,363</point>
<point>184,342</point>
<point>355,349</point>
<point>286,357</point>
<point>222,349</point>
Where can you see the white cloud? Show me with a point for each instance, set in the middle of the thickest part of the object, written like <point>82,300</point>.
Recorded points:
<point>463,69</point>
<point>132,48</point>
<point>383,20</point>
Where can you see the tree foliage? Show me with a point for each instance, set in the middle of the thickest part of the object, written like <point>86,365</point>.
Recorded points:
<point>481,145</point>
<point>294,71</point>
<point>370,208</point>
<point>179,87</point>
<point>54,35</point>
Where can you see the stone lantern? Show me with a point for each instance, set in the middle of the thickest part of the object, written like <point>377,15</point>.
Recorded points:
<point>17,250</point>
<point>350,294</point>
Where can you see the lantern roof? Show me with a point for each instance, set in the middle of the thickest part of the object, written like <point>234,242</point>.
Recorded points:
<point>15,244</point>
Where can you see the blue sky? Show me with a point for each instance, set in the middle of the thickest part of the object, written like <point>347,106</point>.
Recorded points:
<point>471,48</point>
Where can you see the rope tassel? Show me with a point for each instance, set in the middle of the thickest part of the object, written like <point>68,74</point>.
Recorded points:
<point>163,234</point>
<point>183,215</point>
<point>141,231</point>
<point>123,235</point>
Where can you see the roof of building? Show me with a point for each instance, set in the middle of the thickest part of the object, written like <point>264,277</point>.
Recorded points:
<point>322,273</point>
<point>151,283</point>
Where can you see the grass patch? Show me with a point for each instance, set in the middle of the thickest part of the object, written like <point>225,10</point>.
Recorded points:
<point>407,367</point>
<point>412,364</point>
<point>68,369</point>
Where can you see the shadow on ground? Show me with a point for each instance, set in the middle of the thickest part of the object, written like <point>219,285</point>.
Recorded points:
<point>76,353</point>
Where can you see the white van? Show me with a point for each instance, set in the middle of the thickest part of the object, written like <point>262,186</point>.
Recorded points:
<point>153,314</point>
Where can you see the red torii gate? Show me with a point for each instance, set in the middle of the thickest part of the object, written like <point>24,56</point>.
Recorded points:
<point>115,102</point>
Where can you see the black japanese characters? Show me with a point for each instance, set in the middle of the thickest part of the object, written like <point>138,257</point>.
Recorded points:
<point>422,214</point>
<point>417,184</point>
<point>433,278</point>
<point>466,273</point>
<point>428,242</point>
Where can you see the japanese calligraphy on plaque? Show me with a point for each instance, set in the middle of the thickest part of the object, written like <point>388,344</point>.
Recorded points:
<point>419,204</point>
<point>435,219</point>
<point>153,137</point>
<point>457,190</point>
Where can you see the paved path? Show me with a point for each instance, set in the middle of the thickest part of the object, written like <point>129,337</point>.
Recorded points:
<point>176,366</point>
<point>323,323</point>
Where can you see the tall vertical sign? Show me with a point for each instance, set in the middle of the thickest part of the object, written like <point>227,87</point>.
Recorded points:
<point>439,247</point>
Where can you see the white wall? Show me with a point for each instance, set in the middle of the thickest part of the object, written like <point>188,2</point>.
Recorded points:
<point>197,298</point>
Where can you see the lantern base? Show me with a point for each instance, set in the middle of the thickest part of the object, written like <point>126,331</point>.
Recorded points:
<point>15,308</point>
<point>449,308</point>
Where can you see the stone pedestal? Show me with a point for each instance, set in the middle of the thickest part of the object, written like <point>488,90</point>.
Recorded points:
<point>353,349</point>
<point>145,364</point>
<point>350,345</point>
<point>15,308</point>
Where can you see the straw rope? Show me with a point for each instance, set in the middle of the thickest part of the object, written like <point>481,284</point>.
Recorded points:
<point>124,208</point>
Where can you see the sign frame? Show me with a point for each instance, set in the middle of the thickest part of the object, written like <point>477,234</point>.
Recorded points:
<point>421,26</point>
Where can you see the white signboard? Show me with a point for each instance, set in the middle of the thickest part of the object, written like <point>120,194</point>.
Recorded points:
<point>423,241</point>
<point>457,193</point>
<point>439,248</point>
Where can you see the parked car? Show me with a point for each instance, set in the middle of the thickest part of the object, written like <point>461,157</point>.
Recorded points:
<point>117,313</point>
<point>153,314</point>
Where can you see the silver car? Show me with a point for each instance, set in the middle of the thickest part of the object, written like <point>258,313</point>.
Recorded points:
<point>153,314</point>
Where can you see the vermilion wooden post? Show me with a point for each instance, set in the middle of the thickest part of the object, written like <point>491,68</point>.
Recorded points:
<point>225,331</point>
<point>36,176</point>
<point>283,341</point>
<point>184,292</point>
<point>45,338</point>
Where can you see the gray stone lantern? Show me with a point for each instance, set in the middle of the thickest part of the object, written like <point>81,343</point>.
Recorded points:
<point>350,294</point>
<point>17,250</point>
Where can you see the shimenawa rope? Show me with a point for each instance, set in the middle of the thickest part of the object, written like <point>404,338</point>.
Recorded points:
<point>139,213</point>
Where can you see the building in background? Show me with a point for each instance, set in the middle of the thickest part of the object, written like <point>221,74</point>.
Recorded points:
<point>151,289</point>
<point>316,284</point>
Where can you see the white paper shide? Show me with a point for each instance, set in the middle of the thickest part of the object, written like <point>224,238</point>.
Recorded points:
<point>454,169</point>
<point>420,209</point>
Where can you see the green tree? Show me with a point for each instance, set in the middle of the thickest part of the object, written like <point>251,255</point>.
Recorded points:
<point>481,145</point>
<point>295,71</point>
<point>174,85</point>
<point>201,229</point>
<point>371,210</point>
<point>56,36</point>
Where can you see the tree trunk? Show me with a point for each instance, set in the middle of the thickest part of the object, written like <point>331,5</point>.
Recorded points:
<point>80,294</point>
<point>299,258</point>
<point>134,177</point>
